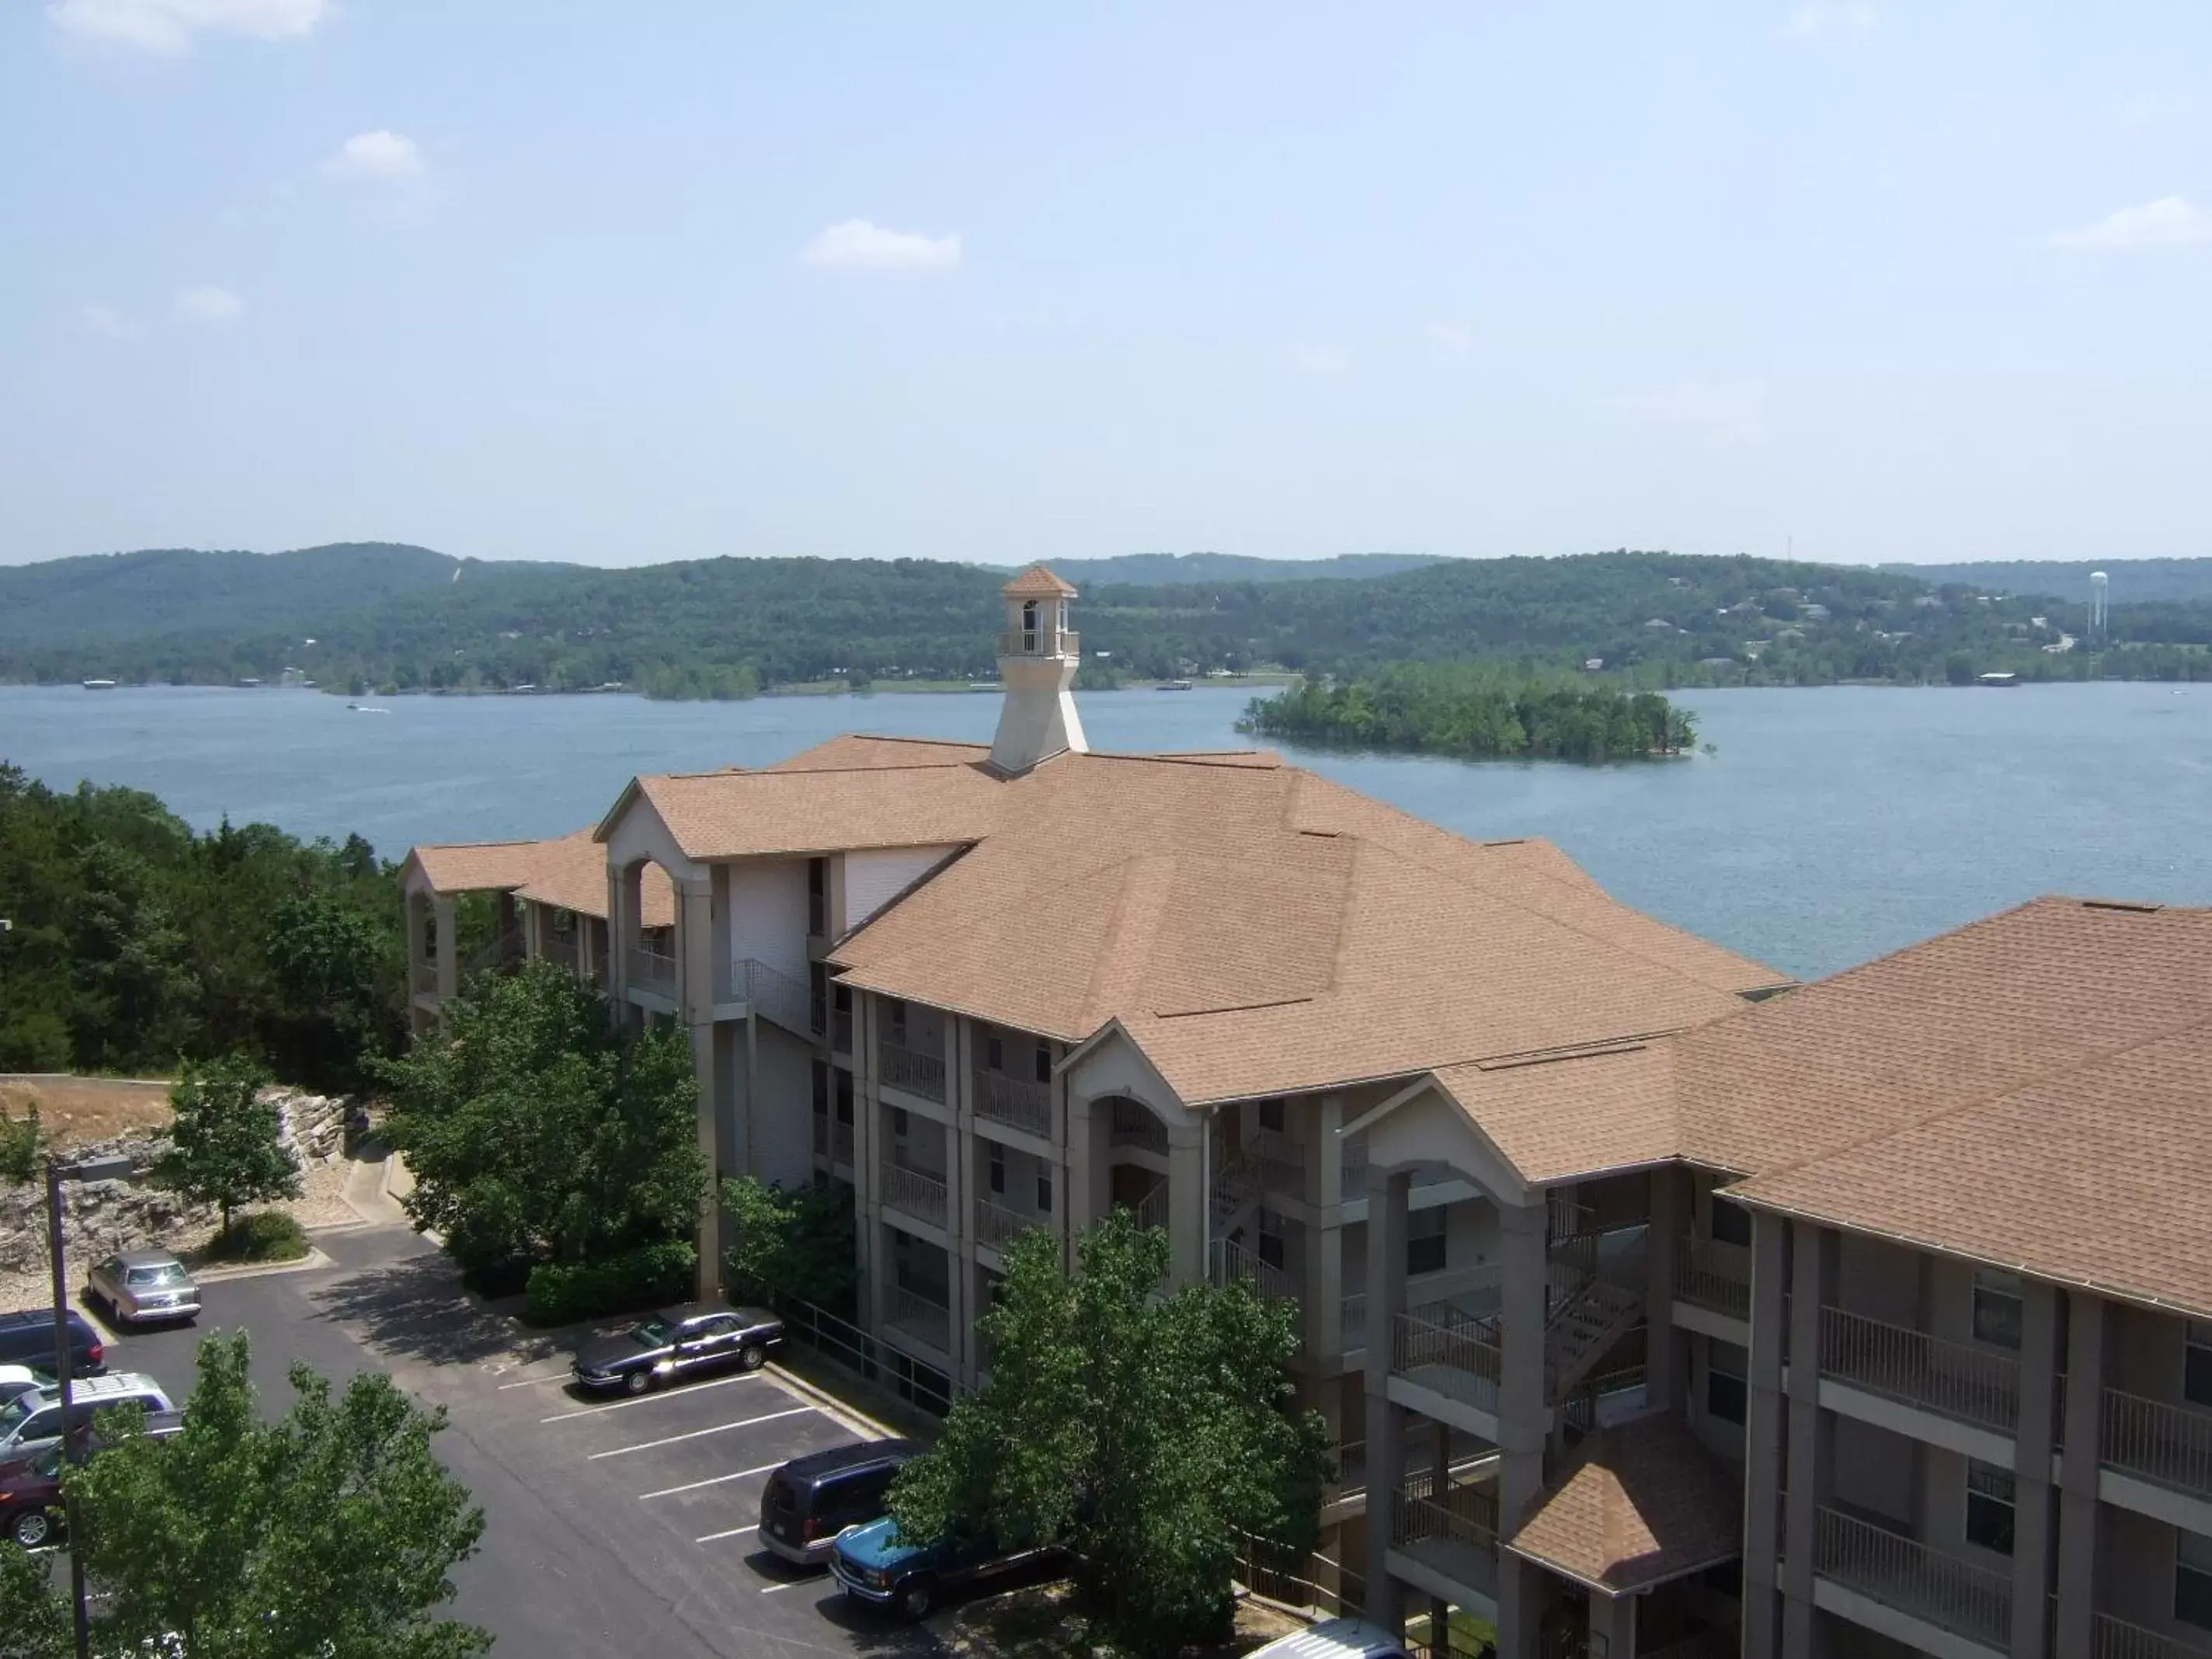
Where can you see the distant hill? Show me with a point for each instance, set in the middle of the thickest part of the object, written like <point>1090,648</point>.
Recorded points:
<point>1167,569</point>
<point>2133,581</point>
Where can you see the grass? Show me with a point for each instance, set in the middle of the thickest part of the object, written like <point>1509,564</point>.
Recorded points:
<point>264,1235</point>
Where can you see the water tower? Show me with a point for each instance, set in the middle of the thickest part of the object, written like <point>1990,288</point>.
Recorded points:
<point>2098,582</point>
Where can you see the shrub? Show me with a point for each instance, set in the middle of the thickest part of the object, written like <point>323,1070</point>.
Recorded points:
<point>264,1235</point>
<point>635,1280</point>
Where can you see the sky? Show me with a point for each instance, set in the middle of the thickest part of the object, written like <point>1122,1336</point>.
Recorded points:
<point>1866,280</point>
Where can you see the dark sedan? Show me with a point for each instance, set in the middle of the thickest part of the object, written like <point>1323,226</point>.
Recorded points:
<point>677,1344</point>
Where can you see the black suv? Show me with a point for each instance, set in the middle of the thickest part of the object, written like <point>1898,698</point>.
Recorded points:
<point>677,1343</point>
<point>811,1499</point>
<point>27,1339</point>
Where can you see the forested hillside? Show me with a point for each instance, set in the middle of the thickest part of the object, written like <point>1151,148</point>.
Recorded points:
<point>1163,569</point>
<point>2134,582</point>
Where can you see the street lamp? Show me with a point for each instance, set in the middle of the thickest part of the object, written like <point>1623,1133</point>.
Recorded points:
<point>99,1168</point>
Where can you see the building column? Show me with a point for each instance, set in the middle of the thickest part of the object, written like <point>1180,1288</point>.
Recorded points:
<point>1389,1194</point>
<point>1811,1434</point>
<point>418,949</point>
<point>449,967</point>
<point>1324,1173</point>
<point>2030,1465</point>
<point>1663,1352</point>
<point>1190,1203</point>
<point>867,1193</point>
<point>625,920</point>
<point>1522,1414</point>
<point>2077,1472</point>
<point>695,991</point>
<point>959,1186</point>
<point>1613,1627</point>
<point>1762,1437</point>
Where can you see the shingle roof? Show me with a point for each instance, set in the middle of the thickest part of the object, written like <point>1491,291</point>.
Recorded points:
<point>1575,1113</point>
<point>733,814</point>
<point>477,866</point>
<point>1038,583</point>
<point>568,871</point>
<point>1644,1503</point>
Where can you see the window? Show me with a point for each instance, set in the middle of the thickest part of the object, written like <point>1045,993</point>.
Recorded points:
<point>1727,1395</point>
<point>1731,1223</point>
<point>818,896</point>
<point>1043,1072</point>
<point>1044,1192</point>
<point>2197,1364</point>
<point>895,1018</point>
<point>898,1123</point>
<point>1997,1309</point>
<point>994,1053</point>
<point>2192,1579</point>
<point>1271,1117</point>
<point>1988,1507</point>
<point>997,1169</point>
<point>1425,1241</point>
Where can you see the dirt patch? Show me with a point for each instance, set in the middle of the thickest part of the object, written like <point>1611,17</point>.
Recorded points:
<point>77,1111</point>
<point>1041,1623</point>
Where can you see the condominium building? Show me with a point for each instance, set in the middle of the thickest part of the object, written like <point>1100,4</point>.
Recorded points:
<point>1559,1192</point>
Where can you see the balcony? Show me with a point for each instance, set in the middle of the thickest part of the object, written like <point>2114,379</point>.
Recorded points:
<point>1971,1385</point>
<point>653,970</point>
<point>424,976</point>
<point>915,1192</point>
<point>1039,642</point>
<point>833,1141</point>
<point>558,945</point>
<point>1352,1321</point>
<point>1132,1126</point>
<point>998,1226</point>
<point>910,1069</point>
<point>1232,1263</point>
<point>841,1031</point>
<point>1152,1208</point>
<point>1939,1589</point>
<point>1454,1532</point>
<point>1016,1102</point>
<point>776,996</point>
<point>1707,1279</point>
<point>2117,1639</point>
<point>2170,1445</point>
<point>922,1319</point>
<point>1455,1354</point>
<point>1354,1176</point>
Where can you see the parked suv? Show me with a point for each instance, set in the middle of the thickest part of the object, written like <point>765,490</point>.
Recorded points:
<point>31,1422</point>
<point>875,1567</point>
<point>811,1499</point>
<point>27,1339</point>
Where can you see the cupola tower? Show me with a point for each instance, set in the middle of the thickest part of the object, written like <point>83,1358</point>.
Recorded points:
<point>1038,655</point>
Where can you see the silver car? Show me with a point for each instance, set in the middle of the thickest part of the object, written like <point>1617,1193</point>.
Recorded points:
<point>139,1285</point>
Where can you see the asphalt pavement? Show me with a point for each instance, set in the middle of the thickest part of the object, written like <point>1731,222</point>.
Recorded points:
<point>613,1526</point>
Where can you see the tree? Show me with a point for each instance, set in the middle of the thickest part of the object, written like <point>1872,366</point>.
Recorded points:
<point>333,1530</point>
<point>229,1147</point>
<point>34,1619</point>
<point>21,1140</point>
<point>796,1241</point>
<point>1145,1433</point>
<point>540,1129</point>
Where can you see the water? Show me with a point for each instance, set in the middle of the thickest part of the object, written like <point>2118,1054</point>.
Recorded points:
<point>1832,824</point>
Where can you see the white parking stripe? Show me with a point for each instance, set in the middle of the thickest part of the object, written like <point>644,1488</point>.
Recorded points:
<point>734,1531</point>
<point>650,1398</point>
<point>793,1583</point>
<point>693,1486</point>
<point>535,1382</point>
<point>698,1434</point>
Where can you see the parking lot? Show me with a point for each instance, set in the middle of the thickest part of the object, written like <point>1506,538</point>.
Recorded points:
<point>618,1524</point>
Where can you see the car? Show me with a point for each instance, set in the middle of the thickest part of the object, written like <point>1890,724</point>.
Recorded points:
<point>1334,1638</point>
<point>677,1343</point>
<point>31,1487</point>
<point>27,1338</point>
<point>32,1421</point>
<point>873,1565</point>
<point>139,1285</point>
<point>22,1379</point>
<point>811,1499</point>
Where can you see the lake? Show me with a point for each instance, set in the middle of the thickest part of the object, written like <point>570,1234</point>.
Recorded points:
<point>1830,825</point>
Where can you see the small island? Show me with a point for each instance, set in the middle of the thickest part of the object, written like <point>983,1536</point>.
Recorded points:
<point>1478,711</point>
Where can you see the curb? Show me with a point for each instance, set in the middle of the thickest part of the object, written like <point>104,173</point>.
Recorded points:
<point>837,1411</point>
<point>313,1259</point>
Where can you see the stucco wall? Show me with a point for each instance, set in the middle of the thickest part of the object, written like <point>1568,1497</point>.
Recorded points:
<point>767,913</point>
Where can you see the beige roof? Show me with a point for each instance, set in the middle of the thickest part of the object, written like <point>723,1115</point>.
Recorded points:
<point>1038,583</point>
<point>477,866</point>
<point>733,814</point>
<point>1575,1113</point>
<point>2007,1092</point>
<point>569,871</point>
<point>854,750</point>
<point>1257,929</point>
<point>1644,1503</point>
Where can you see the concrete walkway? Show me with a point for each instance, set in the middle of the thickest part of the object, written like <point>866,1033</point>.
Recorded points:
<point>370,1186</point>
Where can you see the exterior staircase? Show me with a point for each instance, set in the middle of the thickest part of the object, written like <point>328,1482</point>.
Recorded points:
<point>1583,1325</point>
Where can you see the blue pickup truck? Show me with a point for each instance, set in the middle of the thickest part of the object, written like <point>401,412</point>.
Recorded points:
<point>875,1567</point>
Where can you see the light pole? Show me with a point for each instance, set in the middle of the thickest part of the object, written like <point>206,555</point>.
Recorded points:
<point>73,1444</point>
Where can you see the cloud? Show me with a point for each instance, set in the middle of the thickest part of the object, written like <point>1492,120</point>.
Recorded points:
<point>1833,17</point>
<point>167,25</point>
<point>1320,359</point>
<point>377,155</point>
<point>1728,408</point>
<point>2169,221</point>
<point>1451,339</point>
<point>210,307</point>
<point>859,244</point>
<point>107,321</point>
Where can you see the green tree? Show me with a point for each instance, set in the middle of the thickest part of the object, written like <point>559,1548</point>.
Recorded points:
<point>229,1147</point>
<point>34,1619</point>
<point>1145,1433</point>
<point>20,1142</point>
<point>333,1530</point>
<point>540,1129</point>
<point>333,964</point>
<point>796,1241</point>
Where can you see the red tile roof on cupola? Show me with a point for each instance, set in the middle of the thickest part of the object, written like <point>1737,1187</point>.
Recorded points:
<point>1038,583</point>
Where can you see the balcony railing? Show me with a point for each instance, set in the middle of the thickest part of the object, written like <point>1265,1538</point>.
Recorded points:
<point>1971,1384</point>
<point>1233,1263</point>
<point>1038,642</point>
<point>558,946</point>
<point>1016,1102</point>
<point>1354,1176</point>
<point>1152,1208</point>
<point>920,1317</point>
<point>1132,1126</point>
<point>998,1226</point>
<point>1706,1279</point>
<point>1939,1589</point>
<point>1454,1532</point>
<point>841,1143</point>
<point>2169,1444</point>
<point>2119,1639</point>
<point>1453,1352</point>
<point>911,1190</point>
<point>1350,1457</point>
<point>1352,1321</point>
<point>910,1069</point>
<point>424,976</point>
<point>653,970</point>
<point>776,996</point>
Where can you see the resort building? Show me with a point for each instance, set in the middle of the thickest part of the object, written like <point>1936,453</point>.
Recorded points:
<point>1655,1311</point>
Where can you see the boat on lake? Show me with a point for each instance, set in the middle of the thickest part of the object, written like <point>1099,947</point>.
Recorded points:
<point>1173,685</point>
<point>98,686</point>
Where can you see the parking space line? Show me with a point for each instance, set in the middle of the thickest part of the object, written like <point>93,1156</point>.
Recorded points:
<point>693,1486</point>
<point>650,1398</point>
<point>699,1434</point>
<point>734,1531</point>
<point>789,1584</point>
<point>560,1376</point>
